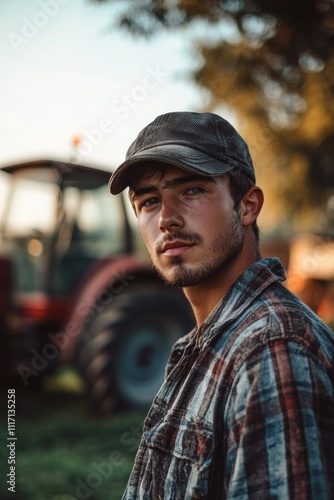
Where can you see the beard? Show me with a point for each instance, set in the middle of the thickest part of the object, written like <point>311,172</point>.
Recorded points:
<point>224,249</point>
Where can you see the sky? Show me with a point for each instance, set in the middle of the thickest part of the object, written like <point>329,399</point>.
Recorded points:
<point>67,71</point>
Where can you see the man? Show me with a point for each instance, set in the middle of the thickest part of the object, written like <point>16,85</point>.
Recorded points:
<point>247,407</point>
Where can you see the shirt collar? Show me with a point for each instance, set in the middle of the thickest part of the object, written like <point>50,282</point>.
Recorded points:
<point>253,281</point>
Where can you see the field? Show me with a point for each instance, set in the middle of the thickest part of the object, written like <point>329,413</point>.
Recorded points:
<point>62,451</point>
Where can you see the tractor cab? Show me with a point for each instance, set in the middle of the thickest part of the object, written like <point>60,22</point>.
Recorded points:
<point>57,220</point>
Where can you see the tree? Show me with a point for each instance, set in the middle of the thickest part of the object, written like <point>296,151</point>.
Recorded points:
<point>276,69</point>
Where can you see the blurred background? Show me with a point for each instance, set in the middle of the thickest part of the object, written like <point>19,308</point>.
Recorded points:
<point>86,325</point>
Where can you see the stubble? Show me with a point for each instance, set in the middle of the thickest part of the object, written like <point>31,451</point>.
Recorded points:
<point>224,249</point>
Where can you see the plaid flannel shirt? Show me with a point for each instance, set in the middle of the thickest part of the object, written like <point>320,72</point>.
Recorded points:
<point>248,410</point>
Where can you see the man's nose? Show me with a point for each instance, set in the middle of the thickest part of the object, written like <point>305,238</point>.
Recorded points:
<point>171,217</point>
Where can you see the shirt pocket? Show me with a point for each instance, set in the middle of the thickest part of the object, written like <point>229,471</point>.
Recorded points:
<point>181,453</point>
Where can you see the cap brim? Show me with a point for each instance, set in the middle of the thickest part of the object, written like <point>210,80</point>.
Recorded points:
<point>189,159</point>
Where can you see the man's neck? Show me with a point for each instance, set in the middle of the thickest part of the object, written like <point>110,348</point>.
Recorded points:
<point>204,297</point>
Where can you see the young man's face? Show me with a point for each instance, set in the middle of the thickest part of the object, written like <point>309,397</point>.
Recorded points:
<point>188,223</point>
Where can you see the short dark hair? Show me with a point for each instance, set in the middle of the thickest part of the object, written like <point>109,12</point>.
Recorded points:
<point>146,170</point>
<point>239,185</point>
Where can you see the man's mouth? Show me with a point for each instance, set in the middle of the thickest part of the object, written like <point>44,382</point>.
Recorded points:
<point>176,247</point>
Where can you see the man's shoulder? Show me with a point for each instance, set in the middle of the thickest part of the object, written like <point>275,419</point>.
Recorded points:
<point>287,311</point>
<point>275,315</point>
<point>275,306</point>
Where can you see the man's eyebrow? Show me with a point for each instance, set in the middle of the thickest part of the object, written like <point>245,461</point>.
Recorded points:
<point>178,181</point>
<point>137,193</point>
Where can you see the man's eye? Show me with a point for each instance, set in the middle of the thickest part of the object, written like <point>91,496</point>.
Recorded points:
<point>149,202</point>
<point>195,190</point>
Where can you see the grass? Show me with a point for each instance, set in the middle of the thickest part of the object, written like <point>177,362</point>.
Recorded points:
<point>65,453</point>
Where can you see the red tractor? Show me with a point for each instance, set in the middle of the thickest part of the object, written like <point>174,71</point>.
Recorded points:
<point>82,292</point>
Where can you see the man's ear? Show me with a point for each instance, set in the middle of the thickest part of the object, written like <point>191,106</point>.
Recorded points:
<point>251,205</point>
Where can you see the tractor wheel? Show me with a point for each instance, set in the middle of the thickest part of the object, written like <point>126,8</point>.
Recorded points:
<point>124,349</point>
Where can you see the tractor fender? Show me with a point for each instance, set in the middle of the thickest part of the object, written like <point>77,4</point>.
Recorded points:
<point>106,280</point>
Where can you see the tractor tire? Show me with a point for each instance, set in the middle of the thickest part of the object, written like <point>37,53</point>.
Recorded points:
<point>124,349</point>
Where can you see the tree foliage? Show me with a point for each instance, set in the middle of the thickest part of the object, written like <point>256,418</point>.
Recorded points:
<point>275,69</point>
